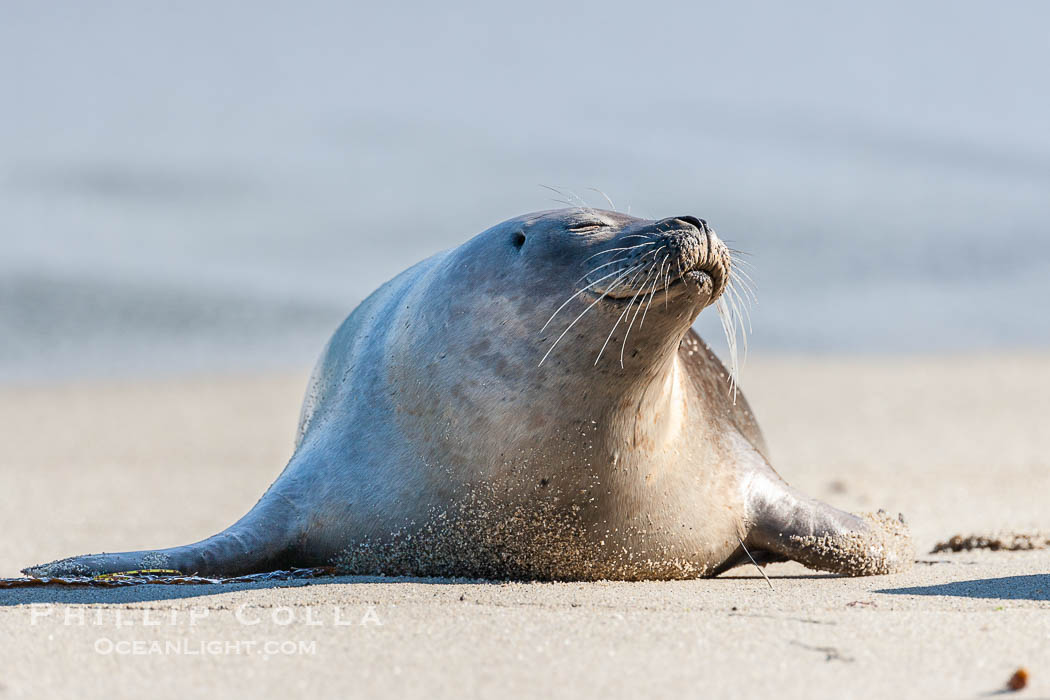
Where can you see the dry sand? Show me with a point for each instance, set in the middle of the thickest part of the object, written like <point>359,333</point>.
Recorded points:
<point>959,445</point>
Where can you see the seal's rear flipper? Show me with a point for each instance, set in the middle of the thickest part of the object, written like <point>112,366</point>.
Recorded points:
<point>785,522</point>
<point>205,558</point>
<point>102,564</point>
<point>258,542</point>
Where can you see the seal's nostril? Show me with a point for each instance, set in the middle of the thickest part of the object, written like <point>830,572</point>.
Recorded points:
<point>518,239</point>
<point>700,224</point>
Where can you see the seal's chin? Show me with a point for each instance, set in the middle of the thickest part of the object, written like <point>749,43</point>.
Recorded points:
<point>703,284</point>
<point>697,280</point>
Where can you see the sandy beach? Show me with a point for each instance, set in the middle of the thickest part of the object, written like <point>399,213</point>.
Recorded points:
<point>958,444</point>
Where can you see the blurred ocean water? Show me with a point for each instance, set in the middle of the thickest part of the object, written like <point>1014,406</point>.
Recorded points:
<point>205,186</point>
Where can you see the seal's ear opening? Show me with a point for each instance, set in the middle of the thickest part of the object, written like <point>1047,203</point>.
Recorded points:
<point>518,240</point>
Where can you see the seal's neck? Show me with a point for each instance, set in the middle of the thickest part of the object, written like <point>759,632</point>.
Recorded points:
<point>653,409</point>
<point>643,403</point>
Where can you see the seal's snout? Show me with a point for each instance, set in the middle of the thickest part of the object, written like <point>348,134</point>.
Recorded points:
<point>686,238</point>
<point>700,257</point>
<point>676,255</point>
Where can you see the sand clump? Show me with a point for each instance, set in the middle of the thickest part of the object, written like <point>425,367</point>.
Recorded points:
<point>996,542</point>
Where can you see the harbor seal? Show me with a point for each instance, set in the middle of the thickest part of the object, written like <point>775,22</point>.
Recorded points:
<point>533,405</point>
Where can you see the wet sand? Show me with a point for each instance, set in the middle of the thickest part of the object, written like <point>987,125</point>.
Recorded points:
<point>957,444</point>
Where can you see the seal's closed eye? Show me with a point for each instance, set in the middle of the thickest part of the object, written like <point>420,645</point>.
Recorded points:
<point>587,226</point>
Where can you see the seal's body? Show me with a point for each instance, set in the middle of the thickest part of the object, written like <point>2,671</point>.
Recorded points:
<point>455,427</point>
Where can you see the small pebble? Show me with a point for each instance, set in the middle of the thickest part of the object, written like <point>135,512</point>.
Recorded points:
<point>1019,680</point>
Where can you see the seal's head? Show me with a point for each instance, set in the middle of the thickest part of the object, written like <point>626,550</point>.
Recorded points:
<point>624,273</point>
<point>575,306</point>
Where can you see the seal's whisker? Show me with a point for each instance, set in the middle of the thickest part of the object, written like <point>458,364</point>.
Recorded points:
<point>627,333</point>
<point>741,258</point>
<point>739,322</point>
<point>630,284</point>
<point>565,196</point>
<point>656,281</point>
<point>607,198</point>
<point>738,259</point>
<point>743,273</point>
<point>613,250</point>
<point>726,320</point>
<point>735,309</point>
<point>730,321</point>
<point>730,333</point>
<point>747,287</point>
<point>568,195</point>
<point>636,235</point>
<point>738,266</point>
<point>578,293</point>
<point>742,276</point>
<point>636,262</point>
<point>747,296</point>
<point>735,315</point>
<point>555,190</point>
<point>593,270</point>
<point>652,292</point>
<point>581,202</point>
<point>744,547</point>
<point>609,337</point>
<point>619,259</point>
<point>617,324</point>
<point>667,283</point>
<point>593,303</point>
<point>613,262</point>
<point>743,316</point>
<point>740,303</point>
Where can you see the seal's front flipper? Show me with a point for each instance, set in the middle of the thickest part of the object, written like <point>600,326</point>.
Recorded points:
<point>786,523</point>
